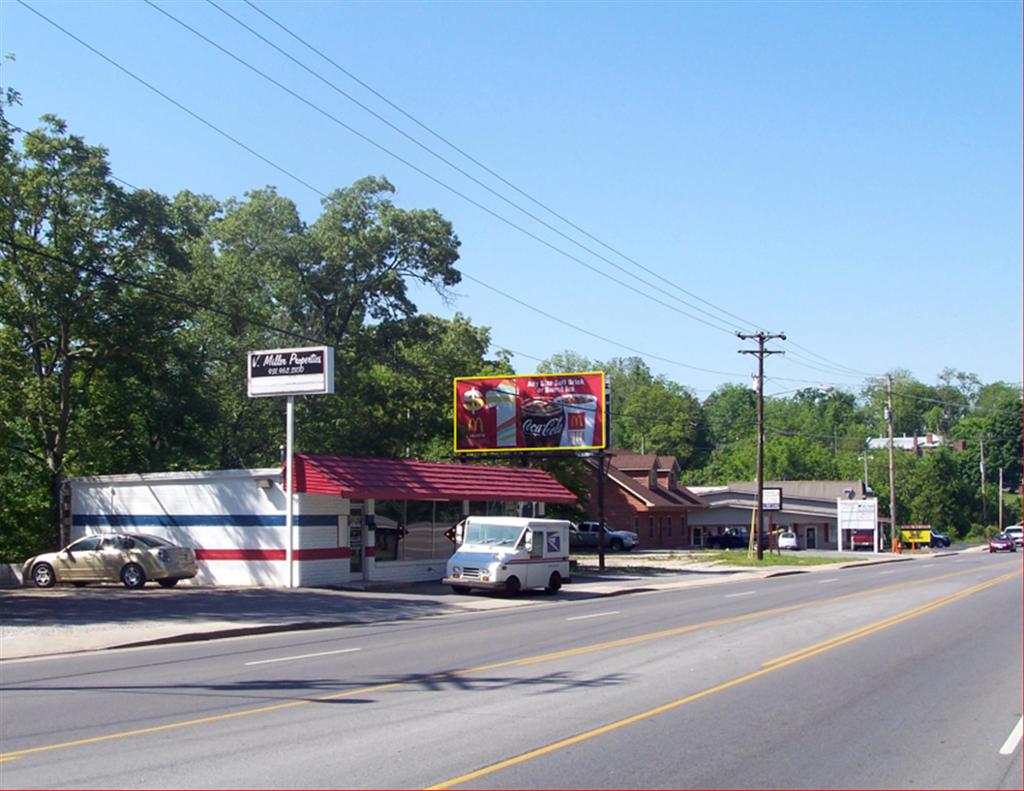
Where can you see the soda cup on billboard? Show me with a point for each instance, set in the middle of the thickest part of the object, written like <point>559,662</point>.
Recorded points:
<point>580,419</point>
<point>542,422</point>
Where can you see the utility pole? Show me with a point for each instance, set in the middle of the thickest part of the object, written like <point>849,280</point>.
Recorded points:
<point>892,470</point>
<point>760,352</point>
<point>984,508</point>
<point>1000,499</point>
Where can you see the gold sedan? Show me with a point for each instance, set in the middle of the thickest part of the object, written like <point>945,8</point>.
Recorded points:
<point>113,557</point>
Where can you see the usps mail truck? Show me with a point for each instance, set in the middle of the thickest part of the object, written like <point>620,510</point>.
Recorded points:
<point>510,554</point>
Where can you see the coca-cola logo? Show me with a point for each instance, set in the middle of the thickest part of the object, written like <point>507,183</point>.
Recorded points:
<point>542,422</point>
<point>542,428</point>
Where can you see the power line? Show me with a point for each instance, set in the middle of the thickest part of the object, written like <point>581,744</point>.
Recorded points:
<point>322,194</point>
<point>366,138</point>
<point>480,164</point>
<point>547,315</point>
<point>437,155</point>
<point>173,101</point>
<point>160,292</point>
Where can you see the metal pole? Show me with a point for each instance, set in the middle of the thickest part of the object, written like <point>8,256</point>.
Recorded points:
<point>600,509</point>
<point>984,505</point>
<point>290,480</point>
<point>1000,499</point>
<point>892,471</point>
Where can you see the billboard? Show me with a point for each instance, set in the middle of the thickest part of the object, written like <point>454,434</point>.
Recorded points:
<point>533,412</point>
<point>285,372</point>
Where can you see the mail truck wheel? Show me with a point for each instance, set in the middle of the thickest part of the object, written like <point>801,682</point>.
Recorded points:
<point>133,576</point>
<point>513,586</point>
<point>43,576</point>
<point>462,590</point>
<point>554,583</point>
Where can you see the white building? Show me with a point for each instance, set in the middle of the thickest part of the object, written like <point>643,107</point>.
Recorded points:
<point>354,520</point>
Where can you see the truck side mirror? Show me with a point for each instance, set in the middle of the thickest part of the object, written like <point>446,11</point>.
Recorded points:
<point>460,531</point>
<point>527,540</point>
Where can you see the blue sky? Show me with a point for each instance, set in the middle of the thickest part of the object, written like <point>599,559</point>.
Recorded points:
<point>849,173</point>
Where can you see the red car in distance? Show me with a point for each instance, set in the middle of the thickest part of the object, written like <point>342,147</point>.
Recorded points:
<point>1001,542</point>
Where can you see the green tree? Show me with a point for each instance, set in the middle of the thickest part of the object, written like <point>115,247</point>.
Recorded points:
<point>78,259</point>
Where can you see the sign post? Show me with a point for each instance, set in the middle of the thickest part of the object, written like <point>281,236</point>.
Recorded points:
<point>290,372</point>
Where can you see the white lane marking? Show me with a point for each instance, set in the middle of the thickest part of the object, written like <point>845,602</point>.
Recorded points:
<point>926,566</point>
<point>745,593</point>
<point>303,656</point>
<point>593,615</point>
<point>830,579</point>
<point>1013,739</point>
<point>890,571</point>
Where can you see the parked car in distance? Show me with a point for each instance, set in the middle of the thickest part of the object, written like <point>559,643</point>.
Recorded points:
<point>585,535</point>
<point>788,540</point>
<point>730,539</point>
<point>1016,532</point>
<point>130,559</point>
<point>1002,542</point>
<point>939,539</point>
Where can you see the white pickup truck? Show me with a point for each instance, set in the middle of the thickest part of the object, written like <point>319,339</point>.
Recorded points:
<point>510,554</point>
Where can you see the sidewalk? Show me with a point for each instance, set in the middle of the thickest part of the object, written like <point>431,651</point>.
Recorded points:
<point>65,620</point>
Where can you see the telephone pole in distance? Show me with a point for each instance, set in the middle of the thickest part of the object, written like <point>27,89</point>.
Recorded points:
<point>762,338</point>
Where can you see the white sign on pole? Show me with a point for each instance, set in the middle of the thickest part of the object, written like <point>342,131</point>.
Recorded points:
<point>771,499</point>
<point>857,515</point>
<point>291,372</point>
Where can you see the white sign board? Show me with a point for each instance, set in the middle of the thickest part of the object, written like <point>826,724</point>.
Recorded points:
<point>291,372</point>
<point>771,499</point>
<point>857,514</point>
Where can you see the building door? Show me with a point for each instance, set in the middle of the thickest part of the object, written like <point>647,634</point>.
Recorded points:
<point>698,536</point>
<point>355,538</point>
<point>812,537</point>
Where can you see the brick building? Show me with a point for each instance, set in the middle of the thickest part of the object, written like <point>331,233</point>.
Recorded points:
<point>642,494</point>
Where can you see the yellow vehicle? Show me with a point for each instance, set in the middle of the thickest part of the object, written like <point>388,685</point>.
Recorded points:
<point>130,559</point>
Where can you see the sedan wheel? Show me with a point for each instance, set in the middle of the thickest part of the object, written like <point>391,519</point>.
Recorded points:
<point>168,583</point>
<point>43,576</point>
<point>133,576</point>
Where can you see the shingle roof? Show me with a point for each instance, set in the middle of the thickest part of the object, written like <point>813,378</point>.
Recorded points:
<point>680,496</point>
<point>403,479</point>
<point>632,461</point>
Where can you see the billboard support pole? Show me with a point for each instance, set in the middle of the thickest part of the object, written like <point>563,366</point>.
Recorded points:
<point>289,483</point>
<point>600,509</point>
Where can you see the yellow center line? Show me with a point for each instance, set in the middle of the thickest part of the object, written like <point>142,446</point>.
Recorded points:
<point>521,661</point>
<point>769,667</point>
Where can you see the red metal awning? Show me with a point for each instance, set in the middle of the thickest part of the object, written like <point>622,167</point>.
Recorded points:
<point>402,479</point>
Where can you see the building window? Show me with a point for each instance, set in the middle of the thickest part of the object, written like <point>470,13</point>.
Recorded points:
<point>650,527</point>
<point>414,529</point>
<point>669,520</point>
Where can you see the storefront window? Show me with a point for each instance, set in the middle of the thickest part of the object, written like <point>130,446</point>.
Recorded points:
<point>414,529</point>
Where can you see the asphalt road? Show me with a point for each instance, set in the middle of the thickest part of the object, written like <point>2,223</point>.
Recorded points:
<point>905,675</point>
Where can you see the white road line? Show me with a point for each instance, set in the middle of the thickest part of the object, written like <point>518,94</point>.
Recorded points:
<point>302,656</point>
<point>745,593</point>
<point>593,615</point>
<point>1013,739</point>
<point>830,579</point>
<point>890,571</point>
